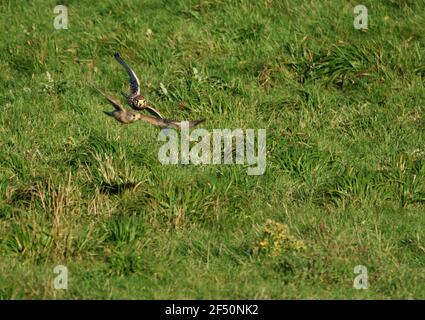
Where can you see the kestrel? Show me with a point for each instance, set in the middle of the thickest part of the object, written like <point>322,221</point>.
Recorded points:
<point>127,116</point>
<point>134,98</point>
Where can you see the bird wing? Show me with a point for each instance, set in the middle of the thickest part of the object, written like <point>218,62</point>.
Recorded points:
<point>134,81</point>
<point>115,103</point>
<point>153,120</point>
<point>167,123</point>
<point>177,124</point>
<point>154,112</point>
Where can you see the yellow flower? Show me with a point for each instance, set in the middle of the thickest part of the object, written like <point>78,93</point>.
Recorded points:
<point>277,238</point>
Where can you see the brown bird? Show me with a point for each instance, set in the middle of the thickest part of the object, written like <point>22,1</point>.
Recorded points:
<point>127,116</point>
<point>135,99</point>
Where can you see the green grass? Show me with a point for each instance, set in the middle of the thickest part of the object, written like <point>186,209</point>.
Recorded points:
<point>345,178</point>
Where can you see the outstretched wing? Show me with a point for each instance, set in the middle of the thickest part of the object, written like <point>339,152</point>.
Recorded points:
<point>114,102</point>
<point>166,123</point>
<point>154,112</point>
<point>134,81</point>
<point>177,124</point>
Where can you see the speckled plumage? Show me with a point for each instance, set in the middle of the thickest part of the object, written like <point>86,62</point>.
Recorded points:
<point>134,98</point>
<point>127,116</point>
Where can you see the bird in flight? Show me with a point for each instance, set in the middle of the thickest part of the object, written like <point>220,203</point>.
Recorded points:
<point>128,116</point>
<point>138,102</point>
<point>134,98</point>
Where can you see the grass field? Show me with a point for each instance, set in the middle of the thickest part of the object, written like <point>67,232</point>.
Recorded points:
<point>345,178</point>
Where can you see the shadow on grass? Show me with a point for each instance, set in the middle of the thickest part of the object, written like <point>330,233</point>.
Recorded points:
<point>116,188</point>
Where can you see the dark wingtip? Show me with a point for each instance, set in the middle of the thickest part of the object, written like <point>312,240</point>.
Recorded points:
<point>117,55</point>
<point>108,113</point>
<point>197,122</point>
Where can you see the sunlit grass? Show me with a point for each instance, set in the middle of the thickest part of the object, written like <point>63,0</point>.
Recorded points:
<point>345,171</point>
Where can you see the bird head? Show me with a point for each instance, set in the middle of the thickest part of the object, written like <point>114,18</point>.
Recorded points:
<point>141,102</point>
<point>133,116</point>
